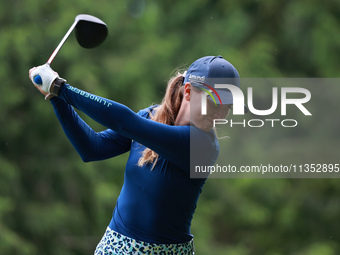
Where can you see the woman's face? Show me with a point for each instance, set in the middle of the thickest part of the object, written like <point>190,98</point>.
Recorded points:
<point>205,122</point>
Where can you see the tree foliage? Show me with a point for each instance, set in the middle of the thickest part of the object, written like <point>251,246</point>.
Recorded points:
<point>53,203</point>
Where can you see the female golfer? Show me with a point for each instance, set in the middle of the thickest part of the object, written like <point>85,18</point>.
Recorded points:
<point>155,207</point>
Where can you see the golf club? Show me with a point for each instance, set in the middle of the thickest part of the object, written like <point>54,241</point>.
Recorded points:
<point>90,32</point>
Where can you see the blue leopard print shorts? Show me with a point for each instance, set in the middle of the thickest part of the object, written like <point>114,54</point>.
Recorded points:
<point>114,243</point>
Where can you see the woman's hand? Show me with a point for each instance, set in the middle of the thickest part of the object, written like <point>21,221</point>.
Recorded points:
<point>47,76</point>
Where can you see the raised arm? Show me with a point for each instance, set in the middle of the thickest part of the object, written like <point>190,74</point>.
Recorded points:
<point>171,142</point>
<point>89,144</point>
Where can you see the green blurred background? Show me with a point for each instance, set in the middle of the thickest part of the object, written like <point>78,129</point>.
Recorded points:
<point>53,203</point>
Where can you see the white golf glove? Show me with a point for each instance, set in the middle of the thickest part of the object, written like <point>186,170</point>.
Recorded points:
<point>46,74</point>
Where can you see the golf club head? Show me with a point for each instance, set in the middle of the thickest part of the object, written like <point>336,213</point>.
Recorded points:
<point>90,31</point>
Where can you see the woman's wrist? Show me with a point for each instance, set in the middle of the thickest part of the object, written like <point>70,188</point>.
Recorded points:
<point>56,85</point>
<point>55,88</point>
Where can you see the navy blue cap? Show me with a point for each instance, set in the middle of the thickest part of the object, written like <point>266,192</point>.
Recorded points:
<point>211,70</point>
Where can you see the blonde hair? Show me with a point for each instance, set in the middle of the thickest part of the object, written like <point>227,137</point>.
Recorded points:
<point>166,113</point>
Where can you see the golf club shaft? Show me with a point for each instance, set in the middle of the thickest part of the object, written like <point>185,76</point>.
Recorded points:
<point>37,79</point>
<point>49,61</point>
<point>89,40</point>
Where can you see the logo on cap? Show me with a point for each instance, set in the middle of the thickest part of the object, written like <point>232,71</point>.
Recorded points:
<point>196,78</point>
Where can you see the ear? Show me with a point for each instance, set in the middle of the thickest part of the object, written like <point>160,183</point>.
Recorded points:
<point>187,91</point>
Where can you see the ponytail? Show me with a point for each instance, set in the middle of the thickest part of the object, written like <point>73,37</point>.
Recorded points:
<point>166,113</point>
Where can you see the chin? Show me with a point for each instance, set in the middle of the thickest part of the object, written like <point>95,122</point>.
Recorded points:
<point>206,127</point>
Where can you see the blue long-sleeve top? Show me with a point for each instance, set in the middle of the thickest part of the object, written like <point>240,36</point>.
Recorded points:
<point>155,205</point>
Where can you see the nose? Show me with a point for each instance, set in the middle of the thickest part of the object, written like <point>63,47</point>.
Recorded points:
<point>219,113</point>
